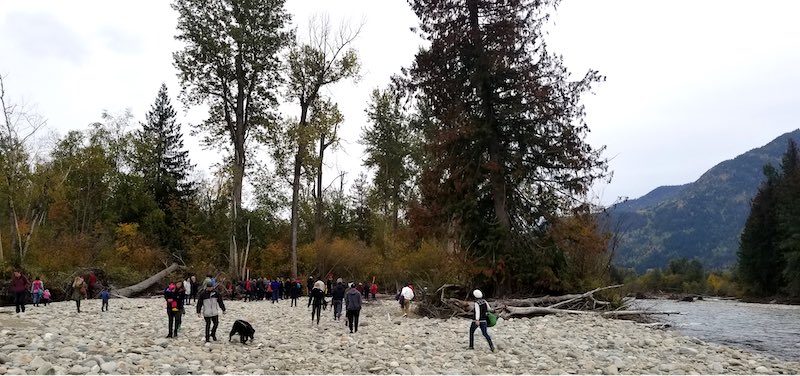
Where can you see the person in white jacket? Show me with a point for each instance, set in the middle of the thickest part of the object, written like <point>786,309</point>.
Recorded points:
<point>407,293</point>
<point>187,284</point>
<point>479,320</point>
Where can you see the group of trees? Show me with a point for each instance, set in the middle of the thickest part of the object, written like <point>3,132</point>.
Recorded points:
<point>477,160</point>
<point>769,256</point>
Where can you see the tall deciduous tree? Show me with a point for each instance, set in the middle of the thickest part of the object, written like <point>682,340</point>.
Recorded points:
<point>325,59</point>
<point>24,209</point>
<point>231,62</point>
<point>164,164</point>
<point>506,146</point>
<point>389,145</point>
<point>325,121</point>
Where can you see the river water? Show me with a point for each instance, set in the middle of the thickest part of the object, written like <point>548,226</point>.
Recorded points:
<point>773,329</point>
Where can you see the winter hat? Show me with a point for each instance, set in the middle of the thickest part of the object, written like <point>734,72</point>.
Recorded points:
<point>477,294</point>
<point>209,284</point>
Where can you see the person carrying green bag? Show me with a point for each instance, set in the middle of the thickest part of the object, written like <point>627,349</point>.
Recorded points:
<point>480,320</point>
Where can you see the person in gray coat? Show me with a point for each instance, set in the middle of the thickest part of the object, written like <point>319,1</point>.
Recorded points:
<point>209,304</point>
<point>353,307</point>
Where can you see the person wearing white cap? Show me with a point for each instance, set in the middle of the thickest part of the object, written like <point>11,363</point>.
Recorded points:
<point>481,307</point>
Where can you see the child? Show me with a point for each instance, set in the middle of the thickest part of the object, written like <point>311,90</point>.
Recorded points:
<point>104,295</point>
<point>46,297</point>
<point>37,288</point>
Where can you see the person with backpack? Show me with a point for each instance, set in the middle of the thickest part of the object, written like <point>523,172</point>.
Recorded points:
<point>37,289</point>
<point>479,320</point>
<point>353,307</point>
<point>406,294</point>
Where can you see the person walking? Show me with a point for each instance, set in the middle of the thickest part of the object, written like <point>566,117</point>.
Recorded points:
<point>191,289</point>
<point>37,290</point>
<point>353,306</point>
<point>310,286</point>
<point>19,287</point>
<point>209,304</point>
<point>337,296</point>
<point>78,291</point>
<point>479,320</point>
<point>406,294</point>
<point>46,297</point>
<point>175,295</point>
<point>318,296</point>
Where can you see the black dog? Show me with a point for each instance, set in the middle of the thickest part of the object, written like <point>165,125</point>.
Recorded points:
<point>243,329</point>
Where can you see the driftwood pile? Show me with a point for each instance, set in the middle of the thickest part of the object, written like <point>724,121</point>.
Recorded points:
<point>438,305</point>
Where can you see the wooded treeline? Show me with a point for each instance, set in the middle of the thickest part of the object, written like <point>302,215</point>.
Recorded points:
<point>476,163</point>
<point>769,257</point>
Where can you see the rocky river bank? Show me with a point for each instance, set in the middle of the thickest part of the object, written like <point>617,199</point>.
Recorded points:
<point>129,339</point>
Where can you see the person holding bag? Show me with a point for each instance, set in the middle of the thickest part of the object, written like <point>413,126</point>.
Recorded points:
<point>480,320</point>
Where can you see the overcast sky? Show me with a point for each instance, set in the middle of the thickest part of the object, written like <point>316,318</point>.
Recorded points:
<point>689,84</point>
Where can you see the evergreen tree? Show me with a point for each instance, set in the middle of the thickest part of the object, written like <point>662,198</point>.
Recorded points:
<point>388,148</point>
<point>506,145</point>
<point>164,165</point>
<point>788,216</point>
<point>769,254</point>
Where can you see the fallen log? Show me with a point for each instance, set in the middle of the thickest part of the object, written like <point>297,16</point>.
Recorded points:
<point>531,311</point>
<point>584,295</point>
<point>138,288</point>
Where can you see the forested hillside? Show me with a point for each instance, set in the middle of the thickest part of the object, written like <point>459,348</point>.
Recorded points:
<point>701,220</point>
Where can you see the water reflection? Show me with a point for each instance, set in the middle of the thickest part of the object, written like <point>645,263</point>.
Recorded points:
<point>770,328</point>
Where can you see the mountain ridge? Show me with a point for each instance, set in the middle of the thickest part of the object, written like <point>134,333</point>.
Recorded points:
<point>699,220</point>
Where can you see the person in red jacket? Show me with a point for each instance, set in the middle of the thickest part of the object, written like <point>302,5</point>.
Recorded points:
<point>19,286</point>
<point>374,291</point>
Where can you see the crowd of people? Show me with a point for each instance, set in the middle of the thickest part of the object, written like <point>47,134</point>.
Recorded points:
<point>208,297</point>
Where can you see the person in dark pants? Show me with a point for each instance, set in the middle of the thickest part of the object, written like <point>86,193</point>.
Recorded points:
<point>175,296</point>
<point>19,286</point>
<point>209,303</point>
<point>310,286</point>
<point>104,295</point>
<point>337,296</point>
<point>295,290</point>
<point>353,306</point>
<point>317,296</point>
<point>481,307</point>
<point>276,290</point>
<point>78,291</point>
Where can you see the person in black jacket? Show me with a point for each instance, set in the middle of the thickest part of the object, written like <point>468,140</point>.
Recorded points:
<point>353,306</point>
<point>295,291</point>
<point>175,295</point>
<point>317,296</point>
<point>481,307</point>
<point>337,297</point>
<point>310,285</point>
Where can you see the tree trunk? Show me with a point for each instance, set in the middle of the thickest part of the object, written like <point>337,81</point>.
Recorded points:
<point>318,209</point>
<point>131,291</point>
<point>298,165</point>
<point>483,84</point>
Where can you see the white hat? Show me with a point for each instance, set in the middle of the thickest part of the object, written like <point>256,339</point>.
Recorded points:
<point>477,294</point>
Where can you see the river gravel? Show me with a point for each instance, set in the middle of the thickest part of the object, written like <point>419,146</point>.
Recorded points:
<point>130,339</point>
